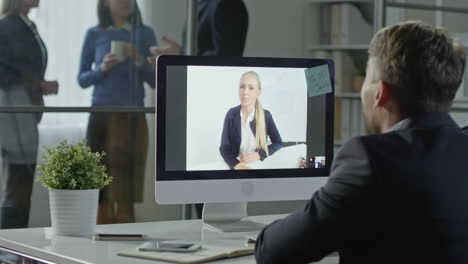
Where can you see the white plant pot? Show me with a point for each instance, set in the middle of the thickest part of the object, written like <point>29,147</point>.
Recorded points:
<point>73,212</point>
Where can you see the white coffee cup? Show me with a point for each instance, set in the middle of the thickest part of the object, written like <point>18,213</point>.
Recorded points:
<point>119,49</point>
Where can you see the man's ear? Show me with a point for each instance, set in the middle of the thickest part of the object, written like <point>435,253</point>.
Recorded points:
<point>383,94</point>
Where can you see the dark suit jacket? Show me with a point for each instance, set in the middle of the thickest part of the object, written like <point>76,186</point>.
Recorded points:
<point>398,197</point>
<point>231,137</point>
<point>21,59</point>
<point>222,27</point>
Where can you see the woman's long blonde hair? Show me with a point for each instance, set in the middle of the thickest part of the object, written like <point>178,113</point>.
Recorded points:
<point>10,7</point>
<point>260,130</point>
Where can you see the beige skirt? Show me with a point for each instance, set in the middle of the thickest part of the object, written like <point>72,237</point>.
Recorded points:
<point>124,139</point>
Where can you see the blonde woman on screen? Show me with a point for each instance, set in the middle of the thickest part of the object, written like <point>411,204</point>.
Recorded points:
<point>248,126</point>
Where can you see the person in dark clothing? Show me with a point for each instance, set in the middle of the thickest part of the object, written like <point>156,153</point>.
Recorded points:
<point>247,126</point>
<point>222,30</point>
<point>222,27</point>
<point>389,198</point>
<point>23,62</point>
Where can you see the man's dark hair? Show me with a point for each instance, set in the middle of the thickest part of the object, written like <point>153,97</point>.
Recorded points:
<point>105,17</point>
<point>422,64</point>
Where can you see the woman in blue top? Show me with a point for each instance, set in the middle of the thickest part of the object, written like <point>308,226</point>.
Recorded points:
<point>248,126</point>
<point>118,80</point>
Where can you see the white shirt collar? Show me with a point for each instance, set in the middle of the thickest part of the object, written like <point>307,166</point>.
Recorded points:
<point>401,125</point>
<point>250,117</point>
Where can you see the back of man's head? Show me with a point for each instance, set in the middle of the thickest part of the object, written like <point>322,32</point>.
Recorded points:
<point>423,66</point>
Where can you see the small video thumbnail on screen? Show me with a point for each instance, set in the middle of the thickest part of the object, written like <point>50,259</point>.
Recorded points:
<point>252,118</point>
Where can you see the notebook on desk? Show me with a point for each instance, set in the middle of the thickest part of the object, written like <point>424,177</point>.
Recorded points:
<point>203,255</point>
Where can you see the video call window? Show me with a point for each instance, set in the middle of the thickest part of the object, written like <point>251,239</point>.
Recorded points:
<point>222,135</point>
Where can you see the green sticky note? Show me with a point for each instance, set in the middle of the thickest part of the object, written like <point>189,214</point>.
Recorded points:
<point>318,80</point>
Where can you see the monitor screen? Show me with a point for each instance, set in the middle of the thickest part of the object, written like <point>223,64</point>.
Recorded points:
<point>223,118</point>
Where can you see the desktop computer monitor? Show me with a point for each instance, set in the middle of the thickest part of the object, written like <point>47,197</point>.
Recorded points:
<point>231,130</point>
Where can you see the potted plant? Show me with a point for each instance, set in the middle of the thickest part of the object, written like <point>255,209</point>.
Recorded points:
<point>74,175</point>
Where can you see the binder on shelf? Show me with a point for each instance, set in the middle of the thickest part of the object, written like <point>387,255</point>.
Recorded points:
<point>337,121</point>
<point>345,120</point>
<point>344,71</point>
<point>355,116</point>
<point>348,26</point>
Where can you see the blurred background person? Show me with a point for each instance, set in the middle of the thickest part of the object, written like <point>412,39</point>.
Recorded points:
<point>222,30</point>
<point>23,62</point>
<point>117,48</point>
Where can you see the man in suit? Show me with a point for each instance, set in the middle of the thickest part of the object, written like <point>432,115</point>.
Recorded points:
<point>389,199</point>
<point>222,27</point>
<point>222,30</point>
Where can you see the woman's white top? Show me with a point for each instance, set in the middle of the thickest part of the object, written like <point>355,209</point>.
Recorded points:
<point>248,143</point>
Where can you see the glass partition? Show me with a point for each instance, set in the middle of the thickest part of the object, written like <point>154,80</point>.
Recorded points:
<point>74,70</point>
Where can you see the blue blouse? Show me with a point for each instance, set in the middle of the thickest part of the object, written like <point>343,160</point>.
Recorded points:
<point>123,84</point>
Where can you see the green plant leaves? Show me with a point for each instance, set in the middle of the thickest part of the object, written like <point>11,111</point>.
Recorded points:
<point>73,167</point>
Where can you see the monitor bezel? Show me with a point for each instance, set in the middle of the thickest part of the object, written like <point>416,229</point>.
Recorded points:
<point>167,60</point>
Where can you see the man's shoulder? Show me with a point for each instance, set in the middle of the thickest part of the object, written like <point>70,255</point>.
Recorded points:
<point>223,5</point>
<point>369,143</point>
<point>391,137</point>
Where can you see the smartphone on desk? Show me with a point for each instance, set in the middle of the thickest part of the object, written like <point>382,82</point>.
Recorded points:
<point>118,237</point>
<point>170,246</point>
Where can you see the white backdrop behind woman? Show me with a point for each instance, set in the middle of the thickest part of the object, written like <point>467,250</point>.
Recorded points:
<point>212,91</point>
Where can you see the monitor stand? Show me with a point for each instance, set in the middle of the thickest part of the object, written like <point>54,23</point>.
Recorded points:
<point>228,217</point>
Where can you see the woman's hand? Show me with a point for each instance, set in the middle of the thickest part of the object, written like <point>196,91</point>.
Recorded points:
<point>109,61</point>
<point>241,166</point>
<point>49,87</point>
<point>171,48</point>
<point>249,157</point>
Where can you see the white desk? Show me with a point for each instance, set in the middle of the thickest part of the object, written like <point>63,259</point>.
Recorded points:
<point>39,243</point>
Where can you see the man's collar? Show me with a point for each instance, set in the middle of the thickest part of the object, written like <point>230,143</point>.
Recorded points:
<point>401,125</point>
<point>426,120</point>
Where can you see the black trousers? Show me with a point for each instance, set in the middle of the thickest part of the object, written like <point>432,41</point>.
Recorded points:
<point>16,198</point>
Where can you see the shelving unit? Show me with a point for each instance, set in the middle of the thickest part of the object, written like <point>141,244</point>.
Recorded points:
<point>338,47</point>
<point>348,110</point>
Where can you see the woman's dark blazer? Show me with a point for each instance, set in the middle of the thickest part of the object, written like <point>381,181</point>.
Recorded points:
<point>21,58</point>
<point>231,137</point>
